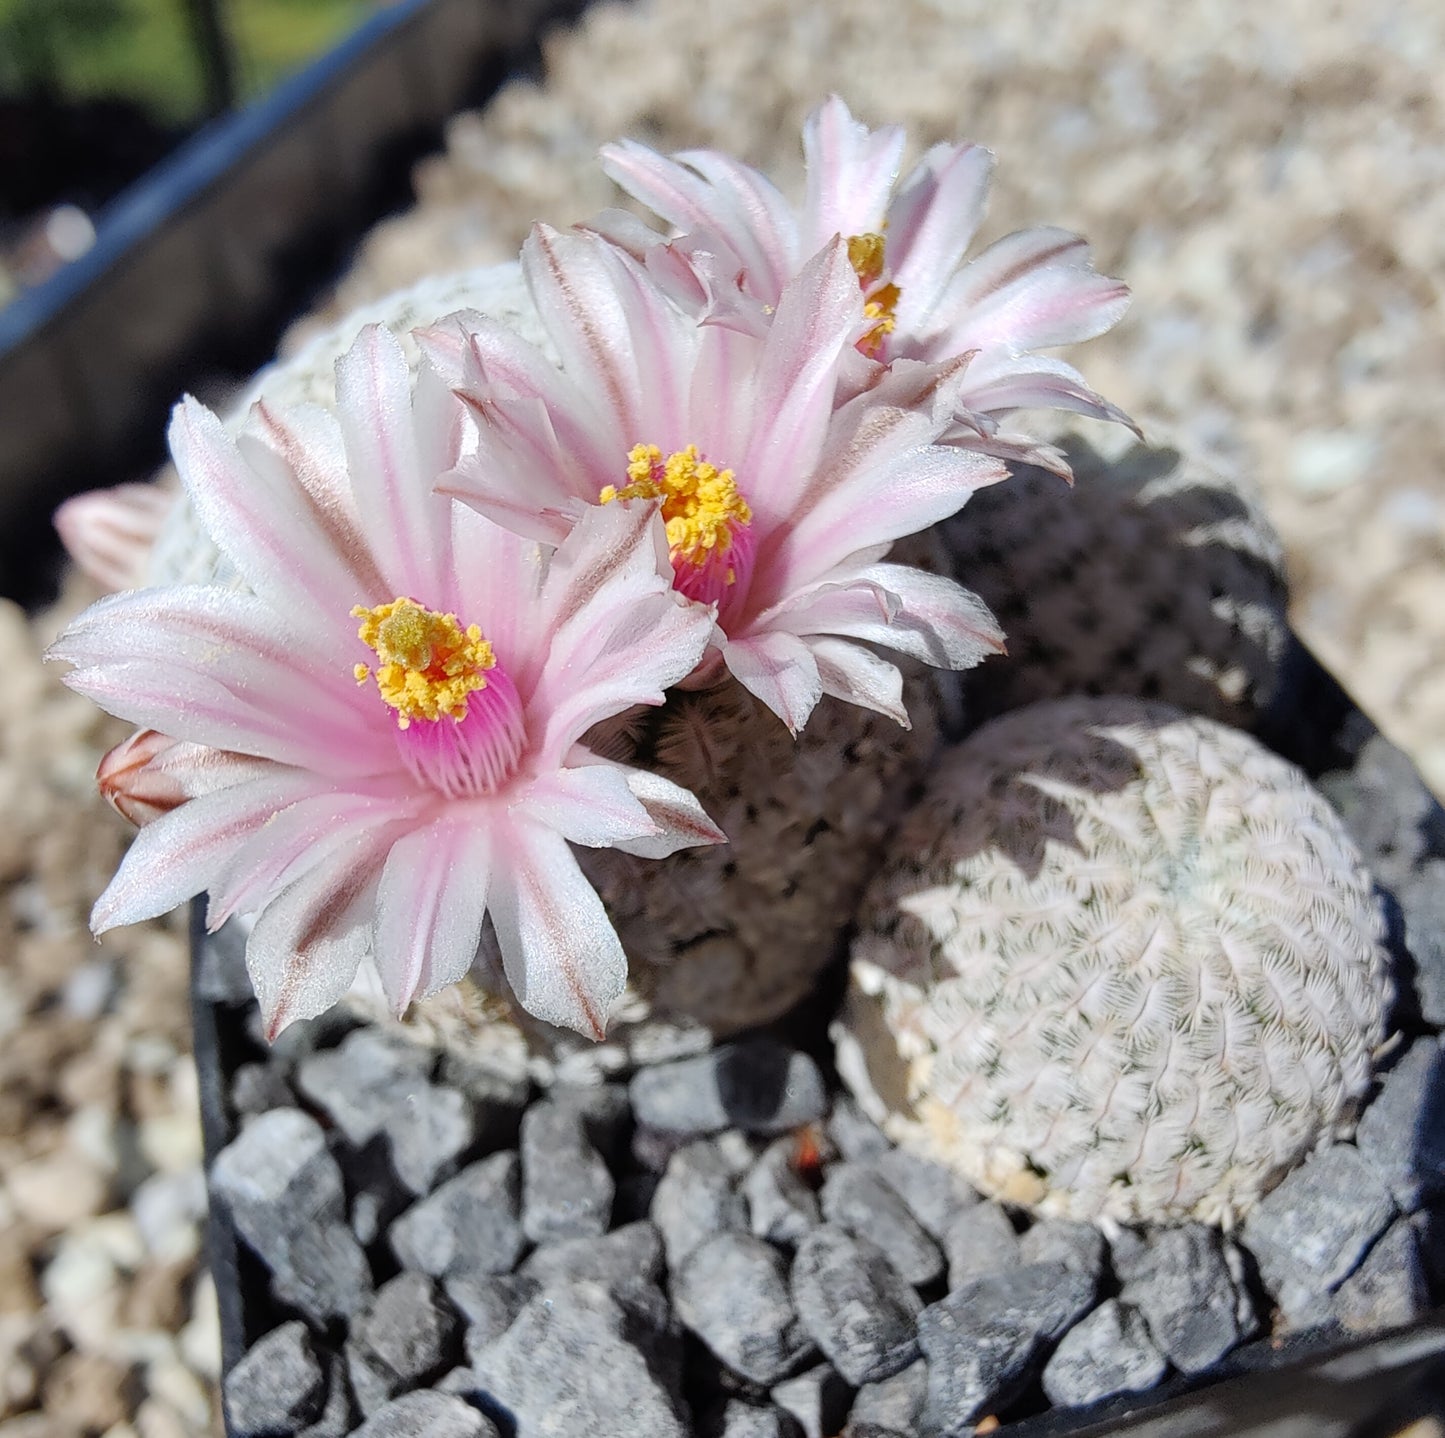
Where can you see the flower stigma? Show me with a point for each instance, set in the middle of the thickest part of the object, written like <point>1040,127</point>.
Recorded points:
<point>706,517</point>
<point>429,663</point>
<point>865,254</point>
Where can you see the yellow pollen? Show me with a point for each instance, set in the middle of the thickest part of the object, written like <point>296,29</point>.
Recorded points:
<point>429,663</point>
<point>865,254</point>
<point>700,502</point>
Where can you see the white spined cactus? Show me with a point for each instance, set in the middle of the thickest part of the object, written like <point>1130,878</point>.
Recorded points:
<point>1125,964</point>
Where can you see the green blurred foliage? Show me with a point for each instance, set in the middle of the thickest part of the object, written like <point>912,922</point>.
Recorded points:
<point>145,50</point>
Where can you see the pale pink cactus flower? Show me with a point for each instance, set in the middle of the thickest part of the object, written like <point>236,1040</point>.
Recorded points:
<point>379,744</point>
<point>779,507</point>
<point>109,533</point>
<point>1032,290</point>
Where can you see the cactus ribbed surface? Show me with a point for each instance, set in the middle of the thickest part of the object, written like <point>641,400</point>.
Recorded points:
<point>1152,576</point>
<point>1123,963</point>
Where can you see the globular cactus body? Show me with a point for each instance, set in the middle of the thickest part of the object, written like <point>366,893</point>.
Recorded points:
<point>1124,964</point>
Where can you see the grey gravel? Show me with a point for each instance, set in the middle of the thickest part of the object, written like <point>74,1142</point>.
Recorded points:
<point>566,1187</point>
<point>427,1132</point>
<point>934,1195</point>
<point>277,1386</point>
<point>732,1292</point>
<point>1107,1352</point>
<point>498,1091</point>
<point>1389,1288</point>
<point>632,1251</point>
<point>980,1241</point>
<point>283,1189</point>
<point>1402,1133</point>
<point>488,1304</point>
<point>1180,1279</point>
<point>1060,1240</point>
<point>858,1199</point>
<point>1311,1231</point>
<point>748,1420</point>
<point>758,1086</point>
<point>781,1207</point>
<point>854,1134</point>
<point>359,1083</point>
<point>818,1400</point>
<point>576,1367</point>
<point>471,1225</point>
<point>428,1415</point>
<point>258,1087</point>
<point>895,1404</point>
<point>338,1415</point>
<point>856,1305</point>
<point>984,1341</point>
<point>404,1336</point>
<point>1422,905</point>
<point>696,1198</point>
<point>605,1112</point>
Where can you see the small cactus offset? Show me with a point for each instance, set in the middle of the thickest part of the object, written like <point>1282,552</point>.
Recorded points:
<point>1124,965</point>
<point>1153,576</point>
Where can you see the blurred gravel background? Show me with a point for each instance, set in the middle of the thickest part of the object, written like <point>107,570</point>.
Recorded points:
<point>1270,180</point>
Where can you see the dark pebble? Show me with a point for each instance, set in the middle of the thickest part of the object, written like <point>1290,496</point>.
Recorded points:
<point>1402,1133</point>
<point>632,1251</point>
<point>858,1199</point>
<point>470,1225</point>
<point>427,1133</point>
<point>1059,1240</point>
<point>404,1336</point>
<point>894,1405</point>
<point>1309,1234</point>
<point>732,1292</point>
<point>758,1086</point>
<point>980,1241</point>
<point>1389,1289</point>
<point>817,1400</point>
<point>566,1187</point>
<point>856,1305</point>
<point>488,1305</point>
<point>358,1084</point>
<point>985,1341</point>
<point>781,1206</point>
<point>935,1196</point>
<point>1193,1300</point>
<point>277,1387</point>
<point>427,1415</point>
<point>695,1199</point>
<point>599,1363</point>
<point>1107,1352</point>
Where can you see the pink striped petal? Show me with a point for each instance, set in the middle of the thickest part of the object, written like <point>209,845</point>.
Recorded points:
<point>589,804</point>
<point>617,334</point>
<point>898,607</point>
<point>179,855</point>
<point>1001,382</point>
<point>222,669</point>
<point>391,477</point>
<point>429,908</point>
<point>851,171</point>
<point>681,821</point>
<point>932,222</point>
<point>289,548</point>
<point>780,670</point>
<point>620,635</point>
<point>559,950</point>
<point>857,676</point>
<point>302,834</point>
<point>309,941</point>
<point>1030,290</point>
<point>109,533</point>
<point>796,382</point>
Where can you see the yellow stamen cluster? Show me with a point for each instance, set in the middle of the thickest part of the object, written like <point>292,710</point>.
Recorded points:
<point>700,502</point>
<point>429,663</point>
<point>865,254</point>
